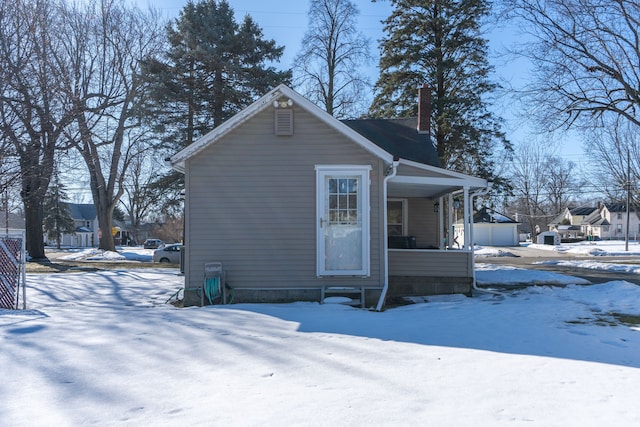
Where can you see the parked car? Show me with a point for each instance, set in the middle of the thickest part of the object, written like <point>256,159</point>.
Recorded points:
<point>152,243</point>
<point>168,253</point>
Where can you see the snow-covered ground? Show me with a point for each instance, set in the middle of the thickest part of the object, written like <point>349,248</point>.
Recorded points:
<point>499,276</point>
<point>597,248</point>
<point>124,253</point>
<point>104,348</point>
<point>581,255</point>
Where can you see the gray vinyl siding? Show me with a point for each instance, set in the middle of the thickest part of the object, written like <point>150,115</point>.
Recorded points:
<point>422,222</point>
<point>251,204</point>
<point>429,263</point>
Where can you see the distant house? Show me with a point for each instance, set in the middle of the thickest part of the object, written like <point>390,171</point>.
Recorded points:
<point>616,215</point>
<point>86,227</point>
<point>604,221</point>
<point>490,228</point>
<point>594,224</point>
<point>293,204</point>
<point>571,224</point>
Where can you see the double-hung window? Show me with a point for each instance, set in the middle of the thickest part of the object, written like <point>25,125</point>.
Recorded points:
<point>396,217</point>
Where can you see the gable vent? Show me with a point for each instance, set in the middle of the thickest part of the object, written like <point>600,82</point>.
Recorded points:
<point>283,121</point>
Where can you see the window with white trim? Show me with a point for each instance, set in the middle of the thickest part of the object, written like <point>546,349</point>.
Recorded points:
<point>396,217</point>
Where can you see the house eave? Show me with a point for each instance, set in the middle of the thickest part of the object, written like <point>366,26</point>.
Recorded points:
<point>435,186</point>
<point>178,160</point>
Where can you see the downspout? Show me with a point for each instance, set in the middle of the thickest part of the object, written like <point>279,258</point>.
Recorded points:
<point>385,239</point>
<point>472,245</point>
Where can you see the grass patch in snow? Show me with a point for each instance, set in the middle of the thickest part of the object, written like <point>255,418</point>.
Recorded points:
<point>608,319</point>
<point>627,319</point>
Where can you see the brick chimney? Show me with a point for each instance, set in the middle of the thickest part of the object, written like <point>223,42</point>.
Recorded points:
<point>424,109</point>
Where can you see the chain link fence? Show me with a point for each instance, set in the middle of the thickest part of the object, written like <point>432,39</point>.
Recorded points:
<point>12,271</point>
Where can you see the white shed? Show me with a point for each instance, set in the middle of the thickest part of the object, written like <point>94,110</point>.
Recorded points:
<point>490,229</point>
<point>548,238</point>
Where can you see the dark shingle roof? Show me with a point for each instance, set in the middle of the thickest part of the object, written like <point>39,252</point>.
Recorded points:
<point>398,137</point>
<point>83,211</point>
<point>485,215</point>
<point>619,207</point>
<point>582,211</point>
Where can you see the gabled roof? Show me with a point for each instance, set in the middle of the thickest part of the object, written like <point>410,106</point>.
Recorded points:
<point>619,207</point>
<point>486,215</point>
<point>599,221</point>
<point>560,217</point>
<point>178,159</point>
<point>86,212</point>
<point>568,227</point>
<point>398,137</point>
<point>489,216</point>
<point>583,210</point>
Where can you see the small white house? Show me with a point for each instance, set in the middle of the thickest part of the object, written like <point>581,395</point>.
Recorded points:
<point>490,228</point>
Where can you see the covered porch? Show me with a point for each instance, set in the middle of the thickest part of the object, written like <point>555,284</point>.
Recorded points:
<point>422,255</point>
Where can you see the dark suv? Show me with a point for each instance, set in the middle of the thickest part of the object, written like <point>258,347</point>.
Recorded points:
<point>152,243</point>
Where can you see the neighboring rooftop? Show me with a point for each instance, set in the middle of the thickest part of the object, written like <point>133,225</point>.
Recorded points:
<point>584,211</point>
<point>83,211</point>
<point>619,207</point>
<point>486,215</point>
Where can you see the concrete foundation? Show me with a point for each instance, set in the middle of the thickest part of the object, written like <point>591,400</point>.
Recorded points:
<point>404,286</point>
<point>399,286</point>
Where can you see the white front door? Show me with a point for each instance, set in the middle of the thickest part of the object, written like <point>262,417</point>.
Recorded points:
<point>342,220</point>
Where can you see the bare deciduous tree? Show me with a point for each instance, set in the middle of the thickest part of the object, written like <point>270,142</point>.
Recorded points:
<point>560,183</point>
<point>527,179</point>
<point>586,58</point>
<point>617,148</point>
<point>543,184</point>
<point>140,197</point>
<point>105,44</point>
<point>33,110</point>
<point>327,67</point>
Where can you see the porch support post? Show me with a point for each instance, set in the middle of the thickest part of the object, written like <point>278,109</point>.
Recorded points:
<point>441,223</point>
<point>449,232</point>
<point>467,224</point>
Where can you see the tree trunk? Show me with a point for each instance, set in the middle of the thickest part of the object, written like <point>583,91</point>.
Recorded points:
<point>34,215</point>
<point>35,181</point>
<point>106,237</point>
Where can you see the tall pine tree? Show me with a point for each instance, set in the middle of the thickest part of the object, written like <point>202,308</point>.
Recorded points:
<point>213,68</point>
<point>439,43</point>
<point>57,212</point>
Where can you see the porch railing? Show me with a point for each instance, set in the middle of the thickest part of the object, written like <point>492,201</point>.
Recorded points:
<point>430,263</point>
